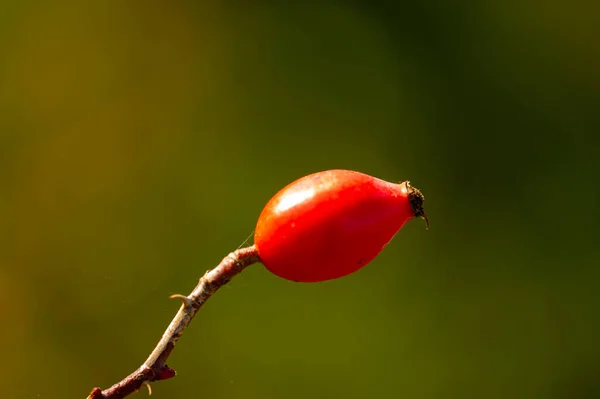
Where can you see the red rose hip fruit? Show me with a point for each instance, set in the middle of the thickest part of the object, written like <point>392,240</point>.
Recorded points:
<point>330,224</point>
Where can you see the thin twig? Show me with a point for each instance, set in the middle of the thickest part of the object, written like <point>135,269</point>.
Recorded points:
<point>155,367</point>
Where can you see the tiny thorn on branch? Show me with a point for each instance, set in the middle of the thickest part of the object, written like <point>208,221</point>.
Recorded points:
<point>147,384</point>
<point>186,301</point>
<point>155,367</point>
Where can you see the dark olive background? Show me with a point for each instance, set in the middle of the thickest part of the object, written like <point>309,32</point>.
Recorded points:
<point>139,141</point>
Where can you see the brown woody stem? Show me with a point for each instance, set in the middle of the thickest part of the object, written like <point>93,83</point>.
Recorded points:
<point>155,367</point>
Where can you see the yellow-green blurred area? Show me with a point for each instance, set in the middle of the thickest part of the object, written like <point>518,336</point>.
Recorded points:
<point>139,141</point>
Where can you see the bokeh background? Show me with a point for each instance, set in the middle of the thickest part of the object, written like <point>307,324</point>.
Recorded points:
<point>139,141</point>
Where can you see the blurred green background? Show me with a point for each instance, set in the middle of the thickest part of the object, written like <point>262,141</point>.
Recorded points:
<point>139,141</point>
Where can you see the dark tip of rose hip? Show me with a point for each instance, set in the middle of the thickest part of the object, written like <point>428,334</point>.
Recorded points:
<point>416,201</point>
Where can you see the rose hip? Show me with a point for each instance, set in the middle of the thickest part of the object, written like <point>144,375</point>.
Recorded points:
<point>329,224</point>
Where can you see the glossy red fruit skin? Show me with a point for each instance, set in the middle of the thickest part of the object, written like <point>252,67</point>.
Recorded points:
<point>329,224</point>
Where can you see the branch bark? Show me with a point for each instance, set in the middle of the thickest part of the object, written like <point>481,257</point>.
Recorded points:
<point>155,367</point>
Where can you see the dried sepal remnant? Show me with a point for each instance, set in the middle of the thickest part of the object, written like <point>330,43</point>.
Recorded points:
<point>416,201</point>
